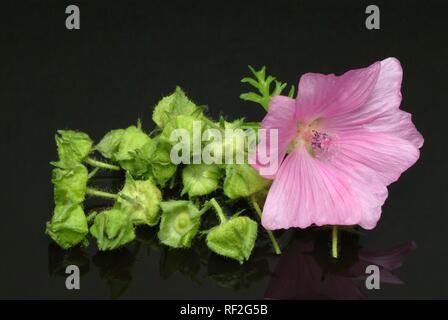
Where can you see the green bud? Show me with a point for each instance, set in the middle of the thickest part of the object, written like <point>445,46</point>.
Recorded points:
<point>70,184</point>
<point>200,179</point>
<point>179,224</point>
<point>242,181</point>
<point>108,146</point>
<point>73,145</point>
<point>68,226</point>
<point>140,199</point>
<point>112,229</point>
<point>234,238</point>
<point>171,106</point>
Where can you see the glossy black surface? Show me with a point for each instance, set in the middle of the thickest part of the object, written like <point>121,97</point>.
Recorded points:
<point>128,54</point>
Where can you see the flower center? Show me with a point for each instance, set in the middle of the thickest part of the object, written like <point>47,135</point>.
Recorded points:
<point>313,137</point>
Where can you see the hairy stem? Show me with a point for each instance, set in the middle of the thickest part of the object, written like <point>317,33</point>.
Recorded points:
<point>218,210</point>
<point>101,194</point>
<point>274,242</point>
<point>101,165</point>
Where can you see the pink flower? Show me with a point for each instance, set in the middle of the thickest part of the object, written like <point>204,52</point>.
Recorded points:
<point>345,140</point>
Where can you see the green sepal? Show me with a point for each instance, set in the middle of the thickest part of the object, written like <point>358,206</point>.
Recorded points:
<point>156,156</point>
<point>179,224</point>
<point>140,199</point>
<point>108,146</point>
<point>68,226</point>
<point>200,179</point>
<point>132,139</point>
<point>73,145</point>
<point>172,106</point>
<point>70,183</point>
<point>234,238</point>
<point>242,180</point>
<point>112,229</point>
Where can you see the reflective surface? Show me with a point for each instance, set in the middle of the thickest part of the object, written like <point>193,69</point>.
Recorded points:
<point>304,271</point>
<point>126,57</point>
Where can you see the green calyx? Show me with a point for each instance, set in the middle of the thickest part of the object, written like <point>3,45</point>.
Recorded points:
<point>234,238</point>
<point>70,184</point>
<point>112,229</point>
<point>73,145</point>
<point>68,226</point>
<point>179,224</point>
<point>242,181</point>
<point>200,179</point>
<point>174,105</point>
<point>146,161</point>
<point>140,199</point>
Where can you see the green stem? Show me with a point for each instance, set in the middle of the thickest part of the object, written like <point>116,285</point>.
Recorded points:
<point>102,165</point>
<point>92,173</point>
<point>334,242</point>
<point>101,194</point>
<point>274,242</point>
<point>218,209</point>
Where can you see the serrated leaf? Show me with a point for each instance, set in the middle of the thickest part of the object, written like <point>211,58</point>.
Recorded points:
<point>263,85</point>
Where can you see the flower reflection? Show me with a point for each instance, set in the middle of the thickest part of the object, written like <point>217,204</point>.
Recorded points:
<point>306,270</point>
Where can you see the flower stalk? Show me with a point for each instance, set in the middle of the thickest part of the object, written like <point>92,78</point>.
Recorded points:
<point>271,236</point>
<point>101,165</point>
<point>334,242</point>
<point>218,210</point>
<point>101,194</point>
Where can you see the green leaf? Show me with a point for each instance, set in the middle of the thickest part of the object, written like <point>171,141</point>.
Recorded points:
<point>242,181</point>
<point>200,179</point>
<point>171,106</point>
<point>179,224</point>
<point>233,239</point>
<point>112,229</point>
<point>263,85</point>
<point>108,146</point>
<point>73,145</point>
<point>140,199</point>
<point>68,226</point>
<point>70,184</point>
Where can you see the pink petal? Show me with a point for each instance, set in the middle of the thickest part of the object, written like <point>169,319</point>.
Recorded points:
<point>381,111</point>
<point>386,156</point>
<point>371,161</point>
<point>282,117</point>
<point>308,191</point>
<point>323,96</point>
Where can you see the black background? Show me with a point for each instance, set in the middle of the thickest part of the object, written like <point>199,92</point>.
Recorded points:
<point>129,54</point>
